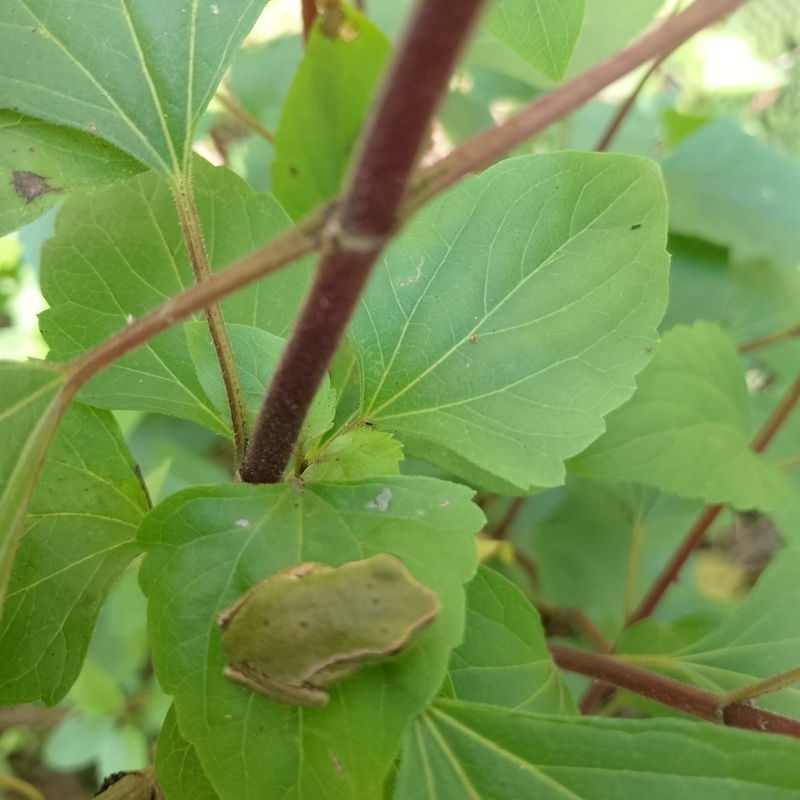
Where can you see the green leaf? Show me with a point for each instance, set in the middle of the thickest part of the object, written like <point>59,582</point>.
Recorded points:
<point>601,548</point>
<point>460,750</point>
<point>79,536</point>
<point>120,253</point>
<point>29,417</point>
<point>543,32</point>
<point>728,188</point>
<point>608,25</point>
<point>256,354</point>
<point>513,312</point>
<point>278,59</point>
<point>687,428</point>
<point>504,660</point>
<point>759,640</point>
<point>355,455</point>
<point>177,766</point>
<point>767,299</point>
<point>205,548</point>
<point>324,109</point>
<point>137,74</point>
<point>40,163</point>
<point>96,693</point>
<point>700,285</point>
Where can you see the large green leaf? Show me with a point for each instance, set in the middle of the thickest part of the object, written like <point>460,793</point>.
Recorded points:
<point>40,163</point>
<point>603,545</point>
<point>759,640</point>
<point>543,32</point>
<point>728,188</point>
<point>504,660</point>
<point>120,253</point>
<point>79,536</point>
<point>179,772</point>
<point>207,547</point>
<point>470,751</point>
<point>608,25</point>
<point>687,428</point>
<point>700,285</point>
<point>323,112</point>
<point>29,417</point>
<point>138,74</point>
<point>513,313</point>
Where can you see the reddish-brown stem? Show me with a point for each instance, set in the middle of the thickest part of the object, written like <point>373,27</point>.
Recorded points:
<point>502,529</point>
<point>493,143</point>
<point>770,338</point>
<point>668,692</point>
<point>309,8</point>
<point>363,223</point>
<point>670,573</point>
<point>625,107</point>
<point>778,416</point>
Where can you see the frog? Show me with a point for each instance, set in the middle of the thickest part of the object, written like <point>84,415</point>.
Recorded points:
<point>304,628</point>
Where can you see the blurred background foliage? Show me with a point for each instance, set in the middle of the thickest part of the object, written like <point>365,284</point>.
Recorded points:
<point>721,117</point>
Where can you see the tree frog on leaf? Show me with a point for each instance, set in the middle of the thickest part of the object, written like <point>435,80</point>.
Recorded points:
<point>302,629</point>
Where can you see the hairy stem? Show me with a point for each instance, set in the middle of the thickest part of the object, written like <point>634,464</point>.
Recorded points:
<point>697,702</point>
<point>760,688</point>
<point>362,225</point>
<point>486,147</point>
<point>195,246</point>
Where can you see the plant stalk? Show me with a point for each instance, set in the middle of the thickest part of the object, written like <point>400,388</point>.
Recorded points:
<point>198,256</point>
<point>363,223</point>
<point>668,692</point>
<point>753,690</point>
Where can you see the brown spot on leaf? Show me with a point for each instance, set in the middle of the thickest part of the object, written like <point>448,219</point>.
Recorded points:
<point>473,338</point>
<point>30,186</point>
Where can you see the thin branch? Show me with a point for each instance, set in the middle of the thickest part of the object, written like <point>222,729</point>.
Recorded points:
<point>486,147</point>
<point>778,416</point>
<point>230,104</point>
<point>363,223</point>
<point>770,338</point>
<point>670,573</point>
<point>753,690</point>
<point>198,256</point>
<point>502,529</point>
<point>625,107</point>
<point>668,692</point>
<point>21,787</point>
